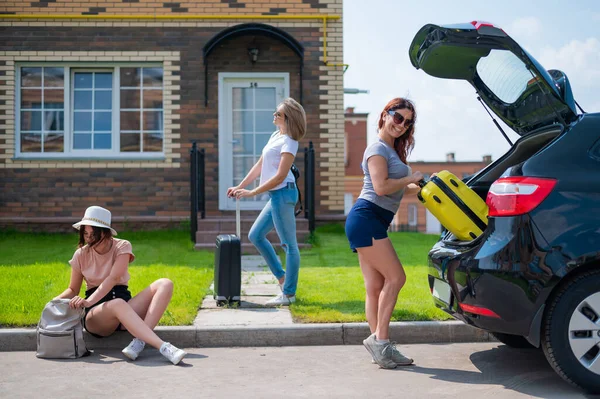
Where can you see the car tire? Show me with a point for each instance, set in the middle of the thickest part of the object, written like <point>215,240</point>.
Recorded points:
<point>572,324</point>
<point>514,341</point>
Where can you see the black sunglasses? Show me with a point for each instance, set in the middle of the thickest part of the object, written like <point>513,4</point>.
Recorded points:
<point>398,119</point>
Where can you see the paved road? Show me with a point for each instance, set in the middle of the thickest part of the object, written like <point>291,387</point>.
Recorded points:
<point>442,370</point>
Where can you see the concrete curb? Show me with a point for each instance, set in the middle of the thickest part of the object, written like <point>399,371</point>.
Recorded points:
<point>415,332</point>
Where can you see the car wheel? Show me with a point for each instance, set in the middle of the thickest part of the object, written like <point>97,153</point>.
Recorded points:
<point>514,341</point>
<point>571,331</point>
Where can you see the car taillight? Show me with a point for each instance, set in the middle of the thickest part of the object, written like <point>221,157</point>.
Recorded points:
<point>512,196</point>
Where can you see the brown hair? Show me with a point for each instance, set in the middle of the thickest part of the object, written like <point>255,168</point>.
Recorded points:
<point>295,118</point>
<point>99,234</point>
<point>405,143</point>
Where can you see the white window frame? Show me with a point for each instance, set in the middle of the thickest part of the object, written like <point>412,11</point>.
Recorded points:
<point>413,214</point>
<point>69,153</point>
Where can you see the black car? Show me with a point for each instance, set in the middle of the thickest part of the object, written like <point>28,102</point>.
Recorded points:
<point>533,277</point>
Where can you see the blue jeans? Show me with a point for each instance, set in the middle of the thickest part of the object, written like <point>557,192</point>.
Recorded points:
<point>279,213</point>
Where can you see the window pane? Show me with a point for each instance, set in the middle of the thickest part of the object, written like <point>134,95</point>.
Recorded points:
<point>83,80</point>
<point>82,141</point>
<point>82,121</point>
<point>265,98</point>
<point>31,120</point>
<point>242,165</point>
<point>261,142</point>
<point>83,99</point>
<point>102,141</point>
<point>54,120</point>
<point>130,120</point>
<point>243,121</point>
<point>153,77</point>
<point>31,98</point>
<point>152,99</point>
<point>242,98</point>
<point>264,122</point>
<point>130,77</point>
<point>103,99</point>
<point>130,99</point>
<point>31,142</point>
<point>54,99</point>
<point>102,121</point>
<point>54,142</point>
<point>153,120</point>
<point>243,144</point>
<point>54,77</point>
<point>130,142</point>
<point>153,142</point>
<point>31,77</point>
<point>103,80</point>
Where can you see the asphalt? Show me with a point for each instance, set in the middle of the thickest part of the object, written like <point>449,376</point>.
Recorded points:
<point>254,325</point>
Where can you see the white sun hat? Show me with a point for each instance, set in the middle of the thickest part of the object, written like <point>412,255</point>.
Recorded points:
<point>96,216</point>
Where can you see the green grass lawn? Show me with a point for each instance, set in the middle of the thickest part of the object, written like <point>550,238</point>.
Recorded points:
<point>34,268</point>
<point>331,287</point>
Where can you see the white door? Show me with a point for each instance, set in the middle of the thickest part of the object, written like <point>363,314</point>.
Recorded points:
<point>246,105</point>
<point>433,226</point>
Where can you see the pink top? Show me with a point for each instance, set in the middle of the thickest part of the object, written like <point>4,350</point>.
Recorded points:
<point>95,267</point>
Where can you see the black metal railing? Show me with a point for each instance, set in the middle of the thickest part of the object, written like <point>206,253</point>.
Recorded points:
<point>309,185</point>
<point>197,188</point>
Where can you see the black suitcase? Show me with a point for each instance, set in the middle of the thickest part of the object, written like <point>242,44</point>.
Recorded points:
<point>228,266</point>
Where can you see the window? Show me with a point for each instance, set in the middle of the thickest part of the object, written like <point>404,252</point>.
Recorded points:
<point>69,111</point>
<point>412,215</point>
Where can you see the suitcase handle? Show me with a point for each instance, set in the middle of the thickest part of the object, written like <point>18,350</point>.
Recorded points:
<point>237,219</point>
<point>422,183</point>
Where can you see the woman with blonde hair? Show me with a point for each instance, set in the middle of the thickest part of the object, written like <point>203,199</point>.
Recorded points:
<point>278,181</point>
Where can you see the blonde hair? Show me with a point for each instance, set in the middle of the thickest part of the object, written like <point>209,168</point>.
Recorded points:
<point>295,118</point>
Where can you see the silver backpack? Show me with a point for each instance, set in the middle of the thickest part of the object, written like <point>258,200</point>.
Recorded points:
<point>60,332</point>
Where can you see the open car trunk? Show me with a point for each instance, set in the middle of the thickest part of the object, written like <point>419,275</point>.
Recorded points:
<point>521,151</point>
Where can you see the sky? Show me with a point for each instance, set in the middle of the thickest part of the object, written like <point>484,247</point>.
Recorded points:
<point>378,33</point>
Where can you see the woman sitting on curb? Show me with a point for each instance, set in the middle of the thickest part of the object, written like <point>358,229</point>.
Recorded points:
<point>102,261</point>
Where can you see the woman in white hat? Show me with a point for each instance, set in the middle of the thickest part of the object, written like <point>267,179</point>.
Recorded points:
<point>102,261</point>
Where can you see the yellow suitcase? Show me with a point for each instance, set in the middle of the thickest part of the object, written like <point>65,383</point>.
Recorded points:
<point>458,208</point>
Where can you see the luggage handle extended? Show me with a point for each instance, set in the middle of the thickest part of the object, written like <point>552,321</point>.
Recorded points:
<point>237,219</point>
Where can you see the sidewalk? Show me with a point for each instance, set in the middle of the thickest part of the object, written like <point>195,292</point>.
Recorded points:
<point>253,324</point>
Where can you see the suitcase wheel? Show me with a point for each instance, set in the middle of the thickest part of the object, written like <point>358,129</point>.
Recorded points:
<point>221,302</point>
<point>435,197</point>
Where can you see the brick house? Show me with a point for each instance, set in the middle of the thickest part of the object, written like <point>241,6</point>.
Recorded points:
<point>411,215</point>
<point>99,105</point>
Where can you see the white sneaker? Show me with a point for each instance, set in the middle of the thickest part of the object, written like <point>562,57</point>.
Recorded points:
<point>134,348</point>
<point>172,353</point>
<point>281,300</point>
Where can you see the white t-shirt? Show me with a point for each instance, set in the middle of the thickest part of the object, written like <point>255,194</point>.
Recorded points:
<point>271,154</point>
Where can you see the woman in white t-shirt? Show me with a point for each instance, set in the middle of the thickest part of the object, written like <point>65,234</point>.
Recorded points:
<point>277,179</point>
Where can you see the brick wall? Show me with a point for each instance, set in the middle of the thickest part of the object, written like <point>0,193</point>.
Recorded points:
<point>158,190</point>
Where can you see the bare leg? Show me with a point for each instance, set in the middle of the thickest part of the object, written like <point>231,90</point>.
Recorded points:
<point>151,303</point>
<point>105,318</point>
<point>382,257</point>
<point>373,285</point>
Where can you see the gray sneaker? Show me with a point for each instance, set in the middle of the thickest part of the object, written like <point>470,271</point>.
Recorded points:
<point>379,352</point>
<point>398,357</point>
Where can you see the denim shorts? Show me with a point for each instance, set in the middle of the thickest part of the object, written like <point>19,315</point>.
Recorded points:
<point>118,291</point>
<point>365,222</point>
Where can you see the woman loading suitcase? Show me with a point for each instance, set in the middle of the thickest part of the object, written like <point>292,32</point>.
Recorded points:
<point>387,179</point>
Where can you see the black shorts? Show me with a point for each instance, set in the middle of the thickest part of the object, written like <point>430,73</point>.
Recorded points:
<point>118,291</point>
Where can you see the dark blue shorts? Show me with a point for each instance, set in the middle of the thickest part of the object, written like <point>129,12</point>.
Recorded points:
<point>365,222</point>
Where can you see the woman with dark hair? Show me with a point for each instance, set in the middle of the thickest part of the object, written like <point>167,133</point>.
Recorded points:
<point>387,178</point>
<point>279,182</point>
<point>102,261</point>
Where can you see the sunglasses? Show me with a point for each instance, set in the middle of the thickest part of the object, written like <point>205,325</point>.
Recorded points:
<point>398,119</point>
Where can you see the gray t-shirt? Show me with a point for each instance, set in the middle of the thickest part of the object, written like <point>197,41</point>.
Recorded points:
<point>396,170</point>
